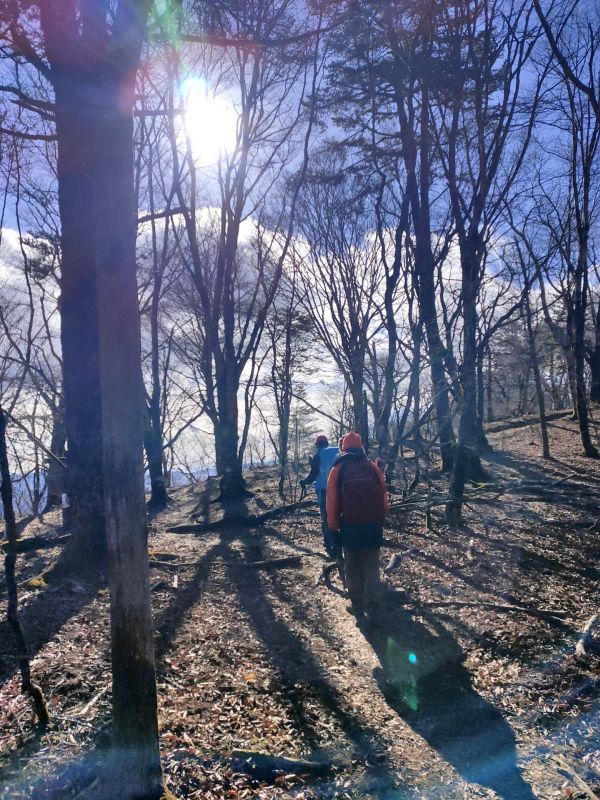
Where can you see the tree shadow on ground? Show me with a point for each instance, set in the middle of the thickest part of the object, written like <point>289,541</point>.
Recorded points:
<point>297,668</point>
<point>423,679</point>
<point>43,617</point>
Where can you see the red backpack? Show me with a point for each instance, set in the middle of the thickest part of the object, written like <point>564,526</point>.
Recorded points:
<point>361,495</point>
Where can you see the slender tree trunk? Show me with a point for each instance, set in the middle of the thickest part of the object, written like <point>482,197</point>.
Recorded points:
<point>490,388</point>
<point>539,387</point>
<point>154,454</point>
<point>438,376</point>
<point>581,403</point>
<point>482,440</point>
<point>135,761</point>
<point>79,324</point>
<point>595,360</point>
<point>153,435</point>
<point>285,405</point>
<point>595,374</point>
<point>413,396</point>
<point>10,560</point>
<point>55,476</point>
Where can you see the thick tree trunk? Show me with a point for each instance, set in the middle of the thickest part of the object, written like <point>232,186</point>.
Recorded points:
<point>359,407</point>
<point>228,458</point>
<point>466,456</point>
<point>79,324</point>
<point>135,762</point>
<point>55,476</point>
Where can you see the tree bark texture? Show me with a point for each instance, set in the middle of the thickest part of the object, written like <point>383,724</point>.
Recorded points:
<point>79,320</point>
<point>135,726</point>
<point>93,71</point>
<point>466,457</point>
<point>55,476</point>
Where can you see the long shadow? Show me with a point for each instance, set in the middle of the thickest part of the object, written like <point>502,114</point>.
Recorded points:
<point>171,618</point>
<point>42,618</point>
<point>296,666</point>
<point>424,680</point>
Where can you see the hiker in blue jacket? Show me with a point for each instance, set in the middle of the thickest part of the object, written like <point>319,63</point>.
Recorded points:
<point>320,466</point>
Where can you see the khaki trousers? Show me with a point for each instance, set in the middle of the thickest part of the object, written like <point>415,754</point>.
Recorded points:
<point>362,575</point>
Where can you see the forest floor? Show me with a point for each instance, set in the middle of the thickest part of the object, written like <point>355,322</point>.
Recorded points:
<point>453,694</point>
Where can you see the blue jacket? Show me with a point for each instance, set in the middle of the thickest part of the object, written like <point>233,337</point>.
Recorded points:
<point>320,467</point>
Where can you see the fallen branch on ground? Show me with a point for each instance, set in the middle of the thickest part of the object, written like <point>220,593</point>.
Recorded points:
<point>542,613</point>
<point>155,562</point>
<point>265,767</point>
<point>92,702</point>
<point>287,561</point>
<point>36,543</point>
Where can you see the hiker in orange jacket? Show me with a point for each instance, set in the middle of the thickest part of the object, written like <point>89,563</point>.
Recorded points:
<point>356,507</point>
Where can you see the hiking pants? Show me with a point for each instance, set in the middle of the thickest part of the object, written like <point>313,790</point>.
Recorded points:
<point>332,546</point>
<point>362,576</point>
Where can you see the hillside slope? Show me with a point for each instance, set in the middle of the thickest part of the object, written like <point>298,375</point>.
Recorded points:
<point>464,690</point>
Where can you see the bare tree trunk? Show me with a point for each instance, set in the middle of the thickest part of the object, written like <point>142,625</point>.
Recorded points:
<point>135,763</point>
<point>284,404</point>
<point>55,475</point>
<point>10,559</point>
<point>489,388</point>
<point>154,453</point>
<point>79,325</point>
<point>466,456</point>
<point>482,440</point>
<point>413,397</point>
<point>232,483</point>
<point>539,387</point>
<point>579,309</point>
<point>595,362</point>
<point>359,406</point>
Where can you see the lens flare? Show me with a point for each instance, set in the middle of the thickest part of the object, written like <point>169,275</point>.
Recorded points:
<point>210,121</point>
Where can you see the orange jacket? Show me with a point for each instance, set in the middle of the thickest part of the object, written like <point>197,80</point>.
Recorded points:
<point>334,500</point>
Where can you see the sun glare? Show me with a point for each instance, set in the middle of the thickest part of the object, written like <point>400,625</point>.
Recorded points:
<point>210,121</point>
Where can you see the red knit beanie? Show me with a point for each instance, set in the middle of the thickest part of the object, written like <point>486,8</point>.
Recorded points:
<point>351,439</point>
